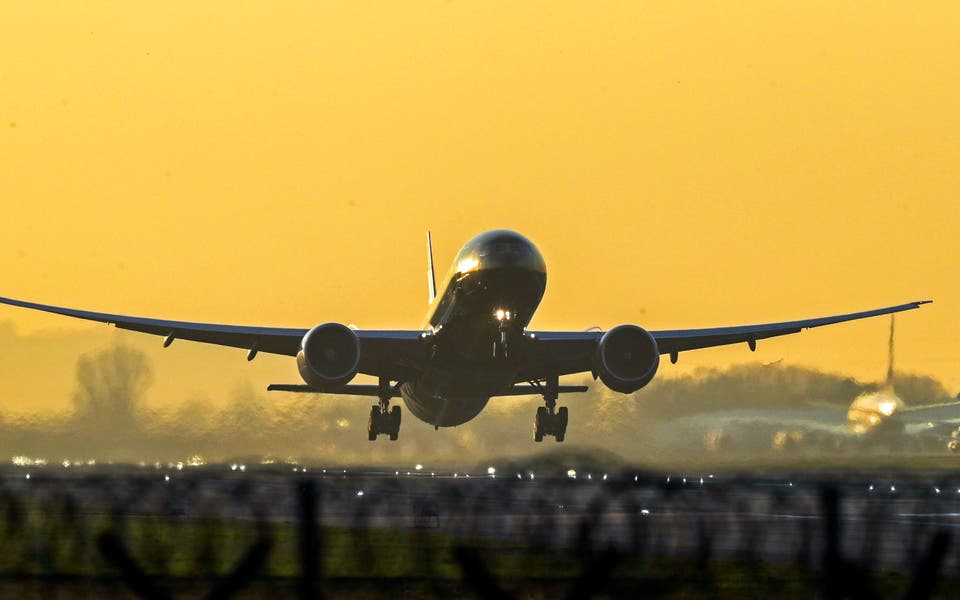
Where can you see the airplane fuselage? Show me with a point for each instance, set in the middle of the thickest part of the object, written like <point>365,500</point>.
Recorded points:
<point>477,322</point>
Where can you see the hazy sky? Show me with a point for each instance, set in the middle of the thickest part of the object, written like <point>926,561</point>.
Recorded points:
<point>678,164</point>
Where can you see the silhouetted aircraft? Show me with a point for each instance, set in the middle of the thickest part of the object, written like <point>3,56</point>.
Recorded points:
<point>473,346</point>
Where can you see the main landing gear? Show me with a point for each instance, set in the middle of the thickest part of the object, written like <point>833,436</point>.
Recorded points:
<point>550,420</point>
<point>383,418</point>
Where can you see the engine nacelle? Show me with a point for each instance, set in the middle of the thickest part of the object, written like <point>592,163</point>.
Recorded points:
<point>329,356</point>
<point>627,358</point>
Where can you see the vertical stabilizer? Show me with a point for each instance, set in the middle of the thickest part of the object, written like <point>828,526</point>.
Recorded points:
<point>890,355</point>
<point>431,277</point>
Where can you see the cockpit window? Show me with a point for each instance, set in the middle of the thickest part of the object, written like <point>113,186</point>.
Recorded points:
<point>510,247</point>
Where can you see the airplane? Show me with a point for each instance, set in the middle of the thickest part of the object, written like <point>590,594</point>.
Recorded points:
<point>474,344</point>
<point>883,412</point>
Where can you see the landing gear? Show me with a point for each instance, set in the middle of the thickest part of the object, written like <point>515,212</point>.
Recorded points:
<point>500,350</point>
<point>500,344</point>
<point>550,420</point>
<point>383,418</point>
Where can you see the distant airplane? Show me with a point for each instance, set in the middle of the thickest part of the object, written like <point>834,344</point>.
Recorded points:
<point>883,411</point>
<point>873,419</point>
<point>473,346</point>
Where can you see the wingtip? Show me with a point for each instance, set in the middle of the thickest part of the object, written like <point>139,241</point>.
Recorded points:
<point>921,302</point>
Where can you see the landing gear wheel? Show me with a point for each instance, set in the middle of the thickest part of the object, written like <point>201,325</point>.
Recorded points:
<point>373,424</point>
<point>561,430</point>
<point>538,424</point>
<point>394,423</point>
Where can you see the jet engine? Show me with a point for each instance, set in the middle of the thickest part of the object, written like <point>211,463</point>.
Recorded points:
<point>627,358</point>
<point>329,356</point>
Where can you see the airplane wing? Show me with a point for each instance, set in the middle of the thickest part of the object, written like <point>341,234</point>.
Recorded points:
<point>679,340</point>
<point>566,352</point>
<point>930,408</point>
<point>390,353</point>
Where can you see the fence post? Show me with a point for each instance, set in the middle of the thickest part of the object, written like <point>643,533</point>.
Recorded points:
<point>310,540</point>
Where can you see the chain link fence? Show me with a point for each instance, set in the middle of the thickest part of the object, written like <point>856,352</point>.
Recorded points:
<point>212,532</point>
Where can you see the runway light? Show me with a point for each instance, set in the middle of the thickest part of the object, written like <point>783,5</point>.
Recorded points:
<point>518,476</point>
<point>936,489</point>
<point>644,511</point>
<point>572,474</point>
<point>166,478</point>
<point>893,489</point>
<point>233,467</point>
<point>360,493</point>
<point>243,468</point>
<point>28,476</point>
<point>604,476</point>
<point>491,471</point>
<point>871,487</point>
<point>418,467</point>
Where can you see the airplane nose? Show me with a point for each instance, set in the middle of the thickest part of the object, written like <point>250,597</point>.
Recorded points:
<point>500,250</point>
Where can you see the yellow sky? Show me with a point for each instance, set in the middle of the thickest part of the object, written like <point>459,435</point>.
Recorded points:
<point>678,164</point>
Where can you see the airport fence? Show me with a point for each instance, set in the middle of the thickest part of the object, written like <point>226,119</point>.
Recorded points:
<point>217,533</point>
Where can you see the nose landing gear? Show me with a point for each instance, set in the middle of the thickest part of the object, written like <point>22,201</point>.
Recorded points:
<point>383,418</point>
<point>550,420</point>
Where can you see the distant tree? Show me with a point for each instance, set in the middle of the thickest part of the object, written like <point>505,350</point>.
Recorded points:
<point>919,389</point>
<point>111,385</point>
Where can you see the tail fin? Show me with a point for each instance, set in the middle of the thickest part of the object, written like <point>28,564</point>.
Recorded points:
<point>431,277</point>
<point>890,359</point>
